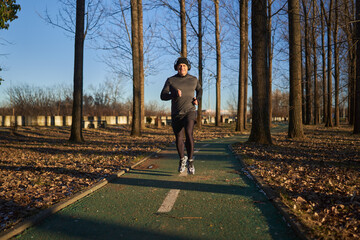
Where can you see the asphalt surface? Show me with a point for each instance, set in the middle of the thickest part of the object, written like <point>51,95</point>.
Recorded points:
<point>154,201</point>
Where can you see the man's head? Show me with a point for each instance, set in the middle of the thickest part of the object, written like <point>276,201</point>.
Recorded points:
<point>182,65</point>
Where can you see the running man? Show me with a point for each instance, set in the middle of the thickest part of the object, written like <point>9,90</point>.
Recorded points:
<point>180,89</point>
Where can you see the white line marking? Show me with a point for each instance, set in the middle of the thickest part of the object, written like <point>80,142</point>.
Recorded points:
<point>169,201</point>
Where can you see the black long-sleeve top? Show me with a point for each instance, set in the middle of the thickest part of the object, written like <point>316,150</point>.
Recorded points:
<point>188,85</point>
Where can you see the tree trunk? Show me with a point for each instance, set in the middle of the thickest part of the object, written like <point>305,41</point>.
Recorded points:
<point>136,122</point>
<point>351,41</point>
<point>200,53</point>
<point>242,65</point>
<point>76,126</point>
<point>323,54</point>
<point>246,65</point>
<point>351,87</point>
<point>183,28</point>
<point>295,109</point>
<point>316,88</point>
<point>337,74</point>
<point>141,64</point>
<point>357,82</point>
<point>303,87</point>
<point>307,66</point>
<point>270,58</point>
<point>329,122</point>
<point>260,130</point>
<point>218,64</point>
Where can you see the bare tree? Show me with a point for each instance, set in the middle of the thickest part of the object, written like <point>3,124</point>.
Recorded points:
<point>314,52</point>
<point>328,20</point>
<point>270,56</point>
<point>200,57</point>
<point>348,28</point>
<point>218,64</point>
<point>357,87</point>
<point>136,119</point>
<point>182,14</point>
<point>295,109</point>
<point>308,94</point>
<point>183,28</point>
<point>76,126</point>
<point>323,70</point>
<point>243,7</point>
<point>260,130</point>
<point>336,63</point>
<point>141,64</point>
<point>94,16</point>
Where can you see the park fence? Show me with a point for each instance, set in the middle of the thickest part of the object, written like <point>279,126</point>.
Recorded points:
<point>90,121</point>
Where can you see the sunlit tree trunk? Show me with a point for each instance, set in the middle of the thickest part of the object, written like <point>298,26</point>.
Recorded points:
<point>218,64</point>
<point>243,5</point>
<point>200,53</point>
<point>76,126</point>
<point>260,130</point>
<point>136,122</point>
<point>295,101</point>
<point>141,63</point>
<point>183,28</point>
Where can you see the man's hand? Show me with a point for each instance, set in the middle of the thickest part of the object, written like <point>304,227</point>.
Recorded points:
<point>195,101</point>
<point>179,93</point>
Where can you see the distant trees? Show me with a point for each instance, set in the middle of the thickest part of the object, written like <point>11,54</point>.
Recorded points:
<point>104,99</point>
<point>31,100</point>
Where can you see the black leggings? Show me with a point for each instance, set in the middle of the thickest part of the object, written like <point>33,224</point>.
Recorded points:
<point>187,127</point>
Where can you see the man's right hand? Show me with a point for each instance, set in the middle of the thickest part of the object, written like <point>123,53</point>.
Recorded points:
<point>179,93</point>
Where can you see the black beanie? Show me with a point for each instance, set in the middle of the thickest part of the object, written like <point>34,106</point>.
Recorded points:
<point>183,60</point>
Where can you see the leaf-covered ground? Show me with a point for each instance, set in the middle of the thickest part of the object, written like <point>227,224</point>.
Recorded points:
<point>40,167</point>
<point>317,177</point>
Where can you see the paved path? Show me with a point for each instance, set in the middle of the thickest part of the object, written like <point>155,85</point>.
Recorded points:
<point>155,202</point>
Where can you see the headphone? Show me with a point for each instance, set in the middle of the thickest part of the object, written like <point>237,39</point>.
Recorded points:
<point>176,63</point>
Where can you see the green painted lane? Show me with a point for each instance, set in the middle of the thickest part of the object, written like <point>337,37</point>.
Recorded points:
<point>218,202</point>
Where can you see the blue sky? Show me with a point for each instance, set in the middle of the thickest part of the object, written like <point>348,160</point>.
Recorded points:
<point>38,54</point>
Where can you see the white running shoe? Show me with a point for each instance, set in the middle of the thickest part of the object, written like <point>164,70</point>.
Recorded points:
<point>182,164</point>
<point>191,168</point>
